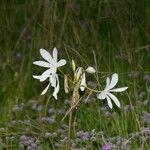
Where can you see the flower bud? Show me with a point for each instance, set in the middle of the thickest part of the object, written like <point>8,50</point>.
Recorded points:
<point>66,87</point>
<point>73,65</point>
<point>78,73</point>
<point>90,70</point>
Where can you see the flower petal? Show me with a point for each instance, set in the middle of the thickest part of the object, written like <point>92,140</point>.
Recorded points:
<point>119,89</point>
<point>107,83</point>
<point>53,70</point>
<point>45,90</point>
<point>83,83</point>
<point>52,79</point>
<point>56,90</point>
<point>113,82</point>
<point>55,53</point>
<point>37,77</point>
<point>109,102</point>
<point>114,98</point>
<point>46,55</point>
<point>42,64</point>
<point>62,62</point>
<point>102,95</point>
<point>45,75</point>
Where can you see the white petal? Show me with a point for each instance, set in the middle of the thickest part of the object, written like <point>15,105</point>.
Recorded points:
<point>90,70</point>
<point>109,102</point>
<point>55,53</point>
<point>46,55</point>
<point>45,90</point>
<point>83,83</point>
<point>102,95</point>
<point>53,80</point>
<point>37,77</point>
<point>42,64</point>
<point>107,83</point>
<point>113,82</point>
<point>53,70</point>
<point>56,90</point>
<point>62,62</point>
<point>114,98</point>
<point>45,75</point>
<point>119,89</point>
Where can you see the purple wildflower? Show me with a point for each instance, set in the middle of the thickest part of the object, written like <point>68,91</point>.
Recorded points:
<point>106,147</point>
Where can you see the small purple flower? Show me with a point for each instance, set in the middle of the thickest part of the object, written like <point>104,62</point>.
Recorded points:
<point>106,147</point>
<point>19,56</point>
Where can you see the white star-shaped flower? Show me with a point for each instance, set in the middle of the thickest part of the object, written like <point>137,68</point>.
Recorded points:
<point>106,93</point>
<point>52,64</point>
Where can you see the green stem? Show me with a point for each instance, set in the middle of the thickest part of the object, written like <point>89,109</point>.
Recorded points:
<point>46,107</point>
<point>96,91</point>
<point>69,132</point>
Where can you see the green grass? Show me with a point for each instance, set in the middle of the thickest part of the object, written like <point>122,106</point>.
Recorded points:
<point>111,34</point>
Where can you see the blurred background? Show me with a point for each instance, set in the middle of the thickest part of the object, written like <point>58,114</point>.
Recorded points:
<point>112,35</point>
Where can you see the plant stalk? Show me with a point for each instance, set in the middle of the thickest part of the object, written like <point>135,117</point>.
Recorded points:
<point>69,132</point>
<point>75,100</point>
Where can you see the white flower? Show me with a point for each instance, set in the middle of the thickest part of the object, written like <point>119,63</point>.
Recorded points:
<point>52,64</point>
<point>80,76</point>
<point>106,93</point>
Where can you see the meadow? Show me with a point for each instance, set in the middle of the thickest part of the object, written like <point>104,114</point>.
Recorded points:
<point>113,36</point>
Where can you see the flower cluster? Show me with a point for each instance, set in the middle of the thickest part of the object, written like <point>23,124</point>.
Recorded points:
<point>52,64</point>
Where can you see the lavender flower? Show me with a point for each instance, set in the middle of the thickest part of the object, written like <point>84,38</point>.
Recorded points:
<point>29,143</point>
<point>51,111</point>
<point>18,56</point>
<point>106,147</point>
